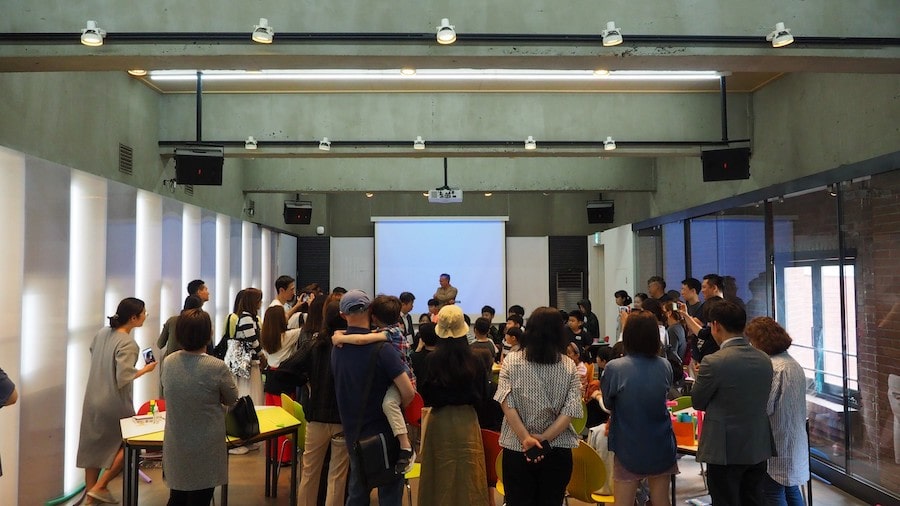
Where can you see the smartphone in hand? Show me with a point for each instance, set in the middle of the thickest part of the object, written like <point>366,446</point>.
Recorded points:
<point>147,353</point>
<point>534,452</point>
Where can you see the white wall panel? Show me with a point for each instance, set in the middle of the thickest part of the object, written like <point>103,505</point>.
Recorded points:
<point>287,255</point>
<point>172,289</point>
<point>223,287</point>
<point>618,270</point>
<point>148,285</point>
<point>266,265</point>
<point>246,255</point>
<point>191,247</point>
<point>527,274</point>
<point>87,284</point>
<point>44,333</point>
<point>353,263</point>
<point>12,229</point>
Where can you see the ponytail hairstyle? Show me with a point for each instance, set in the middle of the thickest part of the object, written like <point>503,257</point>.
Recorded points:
<point>625,296</point>
<point>128,308</point>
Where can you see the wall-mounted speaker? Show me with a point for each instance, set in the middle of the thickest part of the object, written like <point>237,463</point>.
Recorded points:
<point>199,165</point>
<point>726,164</point>
<point>297,212</point>
<point>601,211</point>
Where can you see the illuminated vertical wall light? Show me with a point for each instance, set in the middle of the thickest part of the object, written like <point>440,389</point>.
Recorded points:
<point>147,273</point>
<point>224,293</point>
<point>87,280</point>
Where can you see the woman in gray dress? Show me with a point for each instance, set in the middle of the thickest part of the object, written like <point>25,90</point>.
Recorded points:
<point>195,458</point>
<point>108,397</point>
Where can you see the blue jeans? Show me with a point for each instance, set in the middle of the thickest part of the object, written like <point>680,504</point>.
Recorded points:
<point>780,495</point>
<point>358,495</point>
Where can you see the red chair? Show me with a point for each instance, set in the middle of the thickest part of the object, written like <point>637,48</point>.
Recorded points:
<point>145,407</point>
<point>413,411</point>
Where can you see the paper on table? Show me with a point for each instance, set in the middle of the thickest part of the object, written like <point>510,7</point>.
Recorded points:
<point>142,424</point>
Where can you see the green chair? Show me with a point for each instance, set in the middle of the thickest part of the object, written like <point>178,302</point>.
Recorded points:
<point>682,403</point>
<point>294,409</point>
<point>588,476</point>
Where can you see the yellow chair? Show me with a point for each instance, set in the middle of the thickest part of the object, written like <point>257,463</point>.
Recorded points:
<point>294,409</point>
<point>588,476</point>
<point>682,403</point>
<point>498,466</point>
<point>413,474</point>
<point>579,423</point>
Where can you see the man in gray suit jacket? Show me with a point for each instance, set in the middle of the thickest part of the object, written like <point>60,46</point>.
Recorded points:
<point>733,387</point>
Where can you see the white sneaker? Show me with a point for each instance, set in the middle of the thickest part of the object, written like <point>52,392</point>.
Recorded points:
<point>239,450</point>
<point>253,446</point>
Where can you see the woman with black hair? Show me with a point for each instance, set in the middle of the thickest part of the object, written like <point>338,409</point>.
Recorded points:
<point>453,386</point>
<point>108,398</point>
<point>540,395</point>
<point>634,390</point>
<point>324,429</point>
<point>623,300</point>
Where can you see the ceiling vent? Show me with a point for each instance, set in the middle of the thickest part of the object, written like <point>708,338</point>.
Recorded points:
<point>126,159</point>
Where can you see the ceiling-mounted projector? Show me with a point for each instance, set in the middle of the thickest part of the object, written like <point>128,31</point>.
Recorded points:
<point>445,196</point>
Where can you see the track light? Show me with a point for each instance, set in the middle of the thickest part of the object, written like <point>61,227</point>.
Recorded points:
<point>833,190</point>
<point>781,36</point>
<point>446,33</point>
<point>612,36</point>
<point>250,143</point>
<point>419,143</point>
<point>263,33</point>
<point>488,194</point>
<point>369,195</point>
<point>609,144</point>
<point>92,35</point>
<point>137,72</point>
<point>251,208</point>
<point>325,144</point>
<point>530,143</point>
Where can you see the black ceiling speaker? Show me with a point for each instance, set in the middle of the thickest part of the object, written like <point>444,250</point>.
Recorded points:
<point>199,165</point>
<point>601,211</point>
<point>297,212</point>
<point>726,164</point>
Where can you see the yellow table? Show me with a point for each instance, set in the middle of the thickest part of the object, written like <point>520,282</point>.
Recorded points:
<point>273,422</point>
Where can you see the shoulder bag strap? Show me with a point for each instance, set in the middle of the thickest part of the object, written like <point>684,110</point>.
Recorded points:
<point>371,376</point>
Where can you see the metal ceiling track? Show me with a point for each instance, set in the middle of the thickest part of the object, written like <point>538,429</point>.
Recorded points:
<point>428,38</point>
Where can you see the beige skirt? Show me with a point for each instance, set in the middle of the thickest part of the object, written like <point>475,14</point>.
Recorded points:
<point>452,453</point>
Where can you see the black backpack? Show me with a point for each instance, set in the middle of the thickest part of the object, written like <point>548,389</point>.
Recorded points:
<point>222,346</point>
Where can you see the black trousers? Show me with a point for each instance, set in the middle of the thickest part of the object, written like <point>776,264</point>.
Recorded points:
<point>538,484</point>
<point>190,497</point>
<point>736,485</point>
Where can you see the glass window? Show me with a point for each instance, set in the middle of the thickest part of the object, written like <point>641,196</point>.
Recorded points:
<point>673,254</point>
<point>871,233</point>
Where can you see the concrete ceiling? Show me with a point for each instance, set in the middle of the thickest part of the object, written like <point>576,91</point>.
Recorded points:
<point>217,37</point>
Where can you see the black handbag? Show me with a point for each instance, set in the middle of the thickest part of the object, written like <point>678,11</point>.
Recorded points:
<point>378,453</point>
<point>241,420</point>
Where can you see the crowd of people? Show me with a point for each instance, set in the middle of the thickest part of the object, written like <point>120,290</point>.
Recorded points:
<point>356,362</point>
